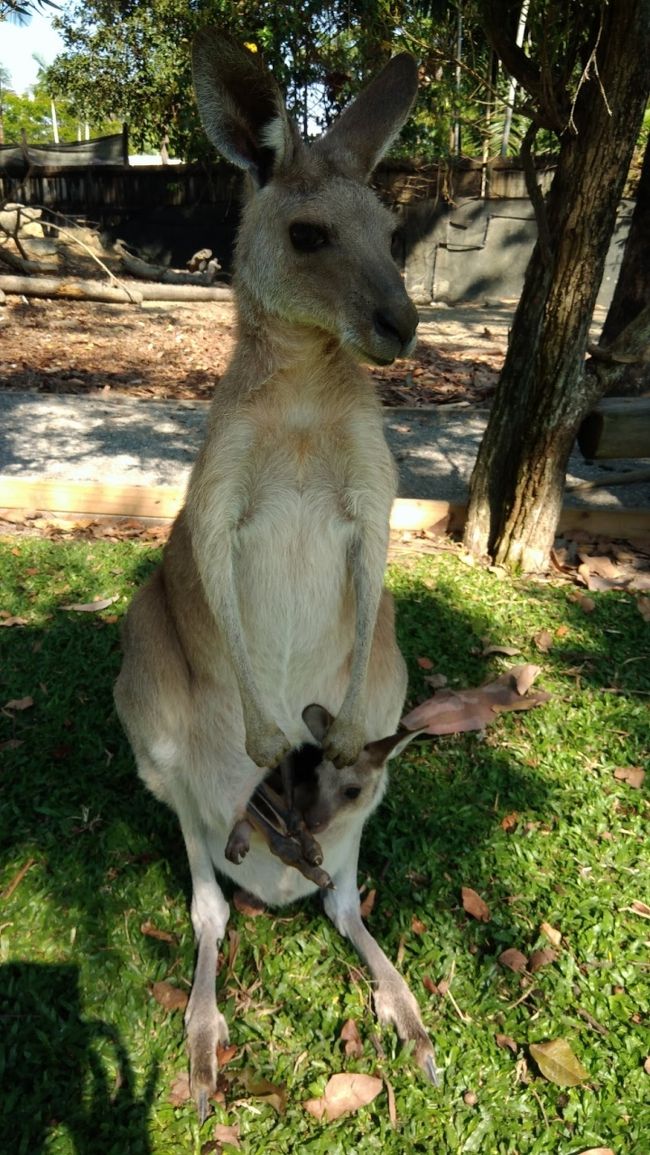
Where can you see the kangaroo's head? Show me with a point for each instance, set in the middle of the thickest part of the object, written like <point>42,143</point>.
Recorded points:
<point>330,796</point>
<point>314,245</point>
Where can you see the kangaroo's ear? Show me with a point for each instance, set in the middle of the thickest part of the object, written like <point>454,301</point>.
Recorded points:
<point>376,753</point>
<point>368,126</point>
<point>241,106</point>
<point>318,721</point>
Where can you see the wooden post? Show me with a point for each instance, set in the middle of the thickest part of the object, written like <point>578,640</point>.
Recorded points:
<point>617,427</point>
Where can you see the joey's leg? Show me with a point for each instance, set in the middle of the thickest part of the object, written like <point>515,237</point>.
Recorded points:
<point>394,1002</point>
<point>205,1026</point>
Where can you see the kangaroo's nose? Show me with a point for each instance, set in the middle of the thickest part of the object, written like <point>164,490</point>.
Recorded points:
<point>396,325</point>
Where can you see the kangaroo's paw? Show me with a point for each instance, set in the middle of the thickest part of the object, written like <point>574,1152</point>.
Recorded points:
<point>204,1035</point>
<point>266,744</point>
<point>344,743</point>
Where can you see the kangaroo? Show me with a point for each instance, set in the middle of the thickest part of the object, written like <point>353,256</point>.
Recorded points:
<point>270,593</point>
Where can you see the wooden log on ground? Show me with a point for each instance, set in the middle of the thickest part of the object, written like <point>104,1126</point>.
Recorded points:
<point>617,427</point>
<point>82,290</point>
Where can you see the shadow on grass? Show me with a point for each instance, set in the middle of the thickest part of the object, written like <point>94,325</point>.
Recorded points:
<point>53,1073</point>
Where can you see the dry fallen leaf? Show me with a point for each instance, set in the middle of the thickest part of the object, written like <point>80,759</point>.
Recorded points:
<point>509,822</point>
<point>513,959</point>
<point>506,1041</point>
<point>473,904</point>
<point>224,1133</point>
<point>91,607</point>
<point>456,711</point>
<point>169,996</point>
<point>417,926</point>
<point>368,904</point>
<point>586,604</point>
<point>551,933</point>
<point>641,908</point>
<point>543,641</point>
<point>598,1151</point>
<point>633,775</point>
<point>541,958</point>
<point>270,1093</point>
<point>424,663</point>
<point>179,1091</point>
<point>19,704</point>
<point>151,931</point>
<point>352,1039</point>
<point>646,1066</point>
<point>13,620</point>
<point>558,1063</point>
<point>343,1093</point>
<point>643,606</point>
<point>508,651</point>
<point>225,1054</point>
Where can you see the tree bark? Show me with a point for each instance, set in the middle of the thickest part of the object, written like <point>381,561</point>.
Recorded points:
<point>543,394</point>
<point>632,292</point>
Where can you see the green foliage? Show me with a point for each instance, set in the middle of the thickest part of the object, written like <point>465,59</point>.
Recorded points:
<point>87,857</point>
<point>31,115</point>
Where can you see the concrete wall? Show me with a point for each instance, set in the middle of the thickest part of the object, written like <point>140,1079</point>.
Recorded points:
<point>479,250</point>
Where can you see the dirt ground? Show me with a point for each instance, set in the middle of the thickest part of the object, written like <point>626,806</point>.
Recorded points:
<point>179,351</point>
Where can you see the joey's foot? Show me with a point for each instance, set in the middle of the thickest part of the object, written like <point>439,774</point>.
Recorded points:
<point>238,844</point>
<point>266,744</point>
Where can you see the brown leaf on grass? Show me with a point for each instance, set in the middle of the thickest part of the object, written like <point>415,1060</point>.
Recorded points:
<point>513,959</point>
<point>19,704</point>
<point>429,985</point>
<point>641,908</point>
<point>633,775</point>
<point>456,711</point>
<point>11,744</point>
<point>424,663</point>
<point>392,1107</point>
<point>179,1091</point>
<point>267,1092</point>
<point>509,821</point>
<point>344,1093</point>
<point>225,1133</point>
<point>597,1151</point>
<point>13,620</point>
<point>225,1054</point>
<point>543,641</point>
<point>506,1041</point>
<point>367,906</point>
<point>508,651</point>
<point>171,998</point>
<point>436,681</point>
<point>541,958</point>
<point>558,1063</point>
<point>646,1066</point>
<point>473,904</point>
<point>92,607</point>
<point>643,606</point>
<point>151,931</point>
<point>585,603</point>
<point>417,926</point>
<point>551,933</point>
<point>352,1039</point>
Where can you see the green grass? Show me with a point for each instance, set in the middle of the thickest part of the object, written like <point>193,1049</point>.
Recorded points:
<point>87,1056</point>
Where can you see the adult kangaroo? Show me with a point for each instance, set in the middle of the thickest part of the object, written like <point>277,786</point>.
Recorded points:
<point>269,596</point>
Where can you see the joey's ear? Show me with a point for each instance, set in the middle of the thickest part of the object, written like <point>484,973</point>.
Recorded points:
<point>384,748</point>
<point>367,127</point>
<point>241,106</point>
<point>318,721</point>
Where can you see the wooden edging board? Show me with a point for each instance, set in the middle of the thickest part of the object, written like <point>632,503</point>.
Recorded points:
<point>161,503</point>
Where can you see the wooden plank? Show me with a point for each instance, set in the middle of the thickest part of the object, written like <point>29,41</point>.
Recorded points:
<point>617,427</point>
<point>164,501</point>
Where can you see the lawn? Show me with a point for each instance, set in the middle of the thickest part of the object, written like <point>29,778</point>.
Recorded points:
<point>531,815</point>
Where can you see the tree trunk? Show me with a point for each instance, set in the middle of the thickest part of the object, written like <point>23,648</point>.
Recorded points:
<point>632,292</point>
<point>517,483</point>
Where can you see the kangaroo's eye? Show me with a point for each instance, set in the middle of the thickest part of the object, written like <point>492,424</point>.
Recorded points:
<point>307,237</point>
<point>352,792</point>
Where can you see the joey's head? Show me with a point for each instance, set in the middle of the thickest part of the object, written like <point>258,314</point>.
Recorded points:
<point>338,796</point>
<point>314,246</point>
